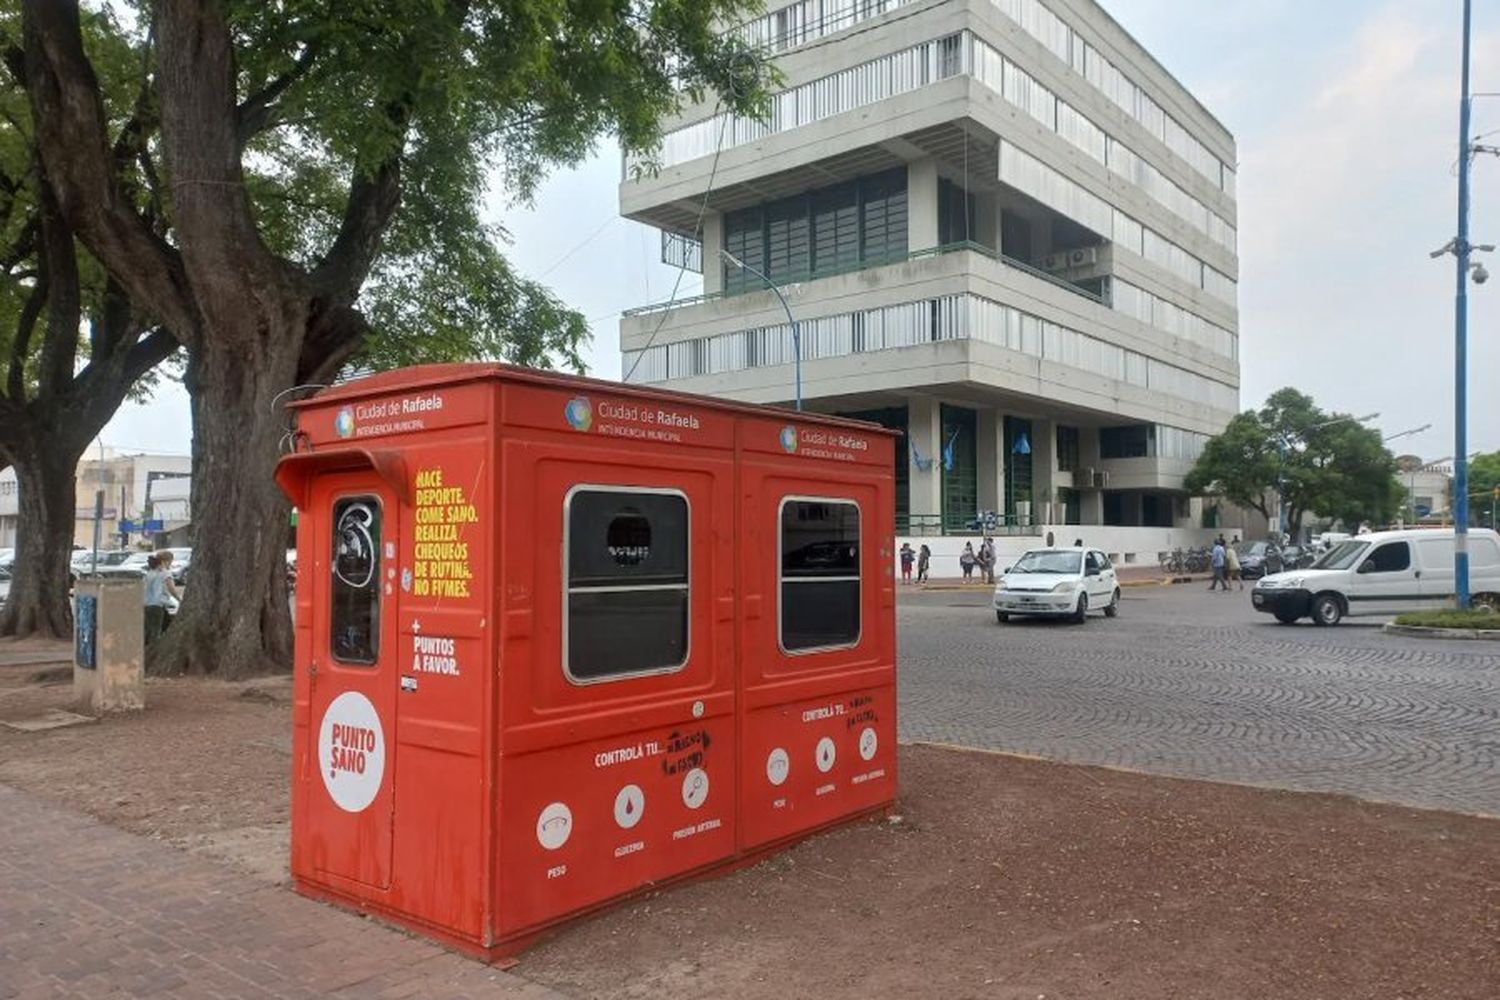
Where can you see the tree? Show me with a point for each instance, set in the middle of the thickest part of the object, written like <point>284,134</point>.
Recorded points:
<point>318,159</point>
<point>1326,464</point>
<point>1484,487</point>
<point>51,406</point>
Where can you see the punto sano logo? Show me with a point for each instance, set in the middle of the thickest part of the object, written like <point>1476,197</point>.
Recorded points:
<point>579,413</point>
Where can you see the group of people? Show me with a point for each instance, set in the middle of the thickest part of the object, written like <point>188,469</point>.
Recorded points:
<point>1225,561</point>
<point>968,561</point>
<point>923,560</point>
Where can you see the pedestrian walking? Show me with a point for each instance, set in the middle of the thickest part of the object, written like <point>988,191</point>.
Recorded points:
<point>1232,564</point>
<point>1217,560</point>
<point>161,593</point>
<point>966,560</point>
<point>1051,542</point>
<point>908,556</point>
<point>987,560</point>
<point>924,562</point>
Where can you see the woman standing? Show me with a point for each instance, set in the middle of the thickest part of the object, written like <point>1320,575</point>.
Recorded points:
<point>924,560</point>
<point>908,556</point>
<point>966,560</point>
<point>161,593</point>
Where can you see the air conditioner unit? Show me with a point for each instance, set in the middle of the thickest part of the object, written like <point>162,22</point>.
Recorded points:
<point>1055,262</point>
<point>1083,257</point>
<point>1101,480</point>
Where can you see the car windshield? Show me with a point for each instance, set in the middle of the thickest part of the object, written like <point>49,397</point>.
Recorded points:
<point>1341,556</point>
<point>1048,562</point>
<point>1253,548</point>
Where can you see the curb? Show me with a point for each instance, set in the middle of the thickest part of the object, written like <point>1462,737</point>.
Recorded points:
<point>1426,632</point>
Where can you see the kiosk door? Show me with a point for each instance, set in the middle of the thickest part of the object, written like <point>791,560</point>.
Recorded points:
<point>353,679</point>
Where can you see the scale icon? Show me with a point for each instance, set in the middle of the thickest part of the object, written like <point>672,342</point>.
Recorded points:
<point>778,766</point>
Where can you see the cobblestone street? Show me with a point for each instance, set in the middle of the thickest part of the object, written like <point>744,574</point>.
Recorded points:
<point>1197,685</point>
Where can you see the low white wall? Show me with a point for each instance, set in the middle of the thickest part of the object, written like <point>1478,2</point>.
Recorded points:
<point>1126,546</point>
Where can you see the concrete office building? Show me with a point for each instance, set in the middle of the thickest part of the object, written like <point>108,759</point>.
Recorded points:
<point>1003,228</point>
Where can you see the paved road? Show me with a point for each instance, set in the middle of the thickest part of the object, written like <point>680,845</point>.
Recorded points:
<point>1198,685</point>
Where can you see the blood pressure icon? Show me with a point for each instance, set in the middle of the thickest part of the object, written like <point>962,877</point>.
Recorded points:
<point>354,557</point>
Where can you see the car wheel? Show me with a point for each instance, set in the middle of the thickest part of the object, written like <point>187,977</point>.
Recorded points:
<point>1001,617</point>
<point>1287,619</point>
<point>1327,610</point>
<point>1113,607</point>
<point>1081,615</point>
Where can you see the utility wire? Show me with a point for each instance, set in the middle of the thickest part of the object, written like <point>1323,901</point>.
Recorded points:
<point>697,231</point>
<point>586,241</point>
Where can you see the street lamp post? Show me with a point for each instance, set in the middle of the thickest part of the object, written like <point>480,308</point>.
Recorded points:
<point>796,330</point>
<point>1283,442</point>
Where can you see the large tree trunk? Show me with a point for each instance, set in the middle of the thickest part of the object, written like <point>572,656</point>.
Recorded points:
<point>38,602</point>
<point>235,618</point>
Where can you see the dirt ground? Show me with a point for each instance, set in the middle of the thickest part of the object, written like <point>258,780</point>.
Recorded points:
<point>1003,878</point>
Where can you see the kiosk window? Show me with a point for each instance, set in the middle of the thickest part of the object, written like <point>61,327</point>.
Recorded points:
<point>354,635</point>
<point>626,558</point>
<point>819,574</point>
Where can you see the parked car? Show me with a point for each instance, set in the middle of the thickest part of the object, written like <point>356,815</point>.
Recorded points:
<point>1382,573</point>
<point>4,583</point>
<point>1063,583</point>
<point>1297,557</point>
<point>83,559</point>
<point>1258,559</point>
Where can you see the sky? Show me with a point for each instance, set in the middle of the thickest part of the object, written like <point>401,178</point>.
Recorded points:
<point>1346,117</point>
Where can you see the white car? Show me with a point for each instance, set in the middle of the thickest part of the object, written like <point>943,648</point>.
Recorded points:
<point>1059,583</point>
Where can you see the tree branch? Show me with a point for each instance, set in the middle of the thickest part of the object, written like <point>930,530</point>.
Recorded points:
<point>334,336</point>
<point>258,111</point>
<point>372,204</point>
<point>64,297</point>
<point>72,138</point>
<point>21,343</point>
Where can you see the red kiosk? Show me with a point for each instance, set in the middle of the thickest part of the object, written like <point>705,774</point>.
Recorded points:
<point>560,639</point>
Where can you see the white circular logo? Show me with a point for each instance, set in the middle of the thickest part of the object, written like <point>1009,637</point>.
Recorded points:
<point>827,753</point>
<point>868,744</point>
<point>351,751</point>
<point>695,788</point>
<point>629,805</point>
<point>554,826</point>
<point>778,766</point>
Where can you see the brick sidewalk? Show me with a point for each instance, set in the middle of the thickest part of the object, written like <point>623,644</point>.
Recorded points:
<point>87,910</point>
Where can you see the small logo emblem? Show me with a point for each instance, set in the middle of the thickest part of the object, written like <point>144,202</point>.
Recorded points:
<point>580,413</point>
<point>789,439</point>
<point>343,424</point>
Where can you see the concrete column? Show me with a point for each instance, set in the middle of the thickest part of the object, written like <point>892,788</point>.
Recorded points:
<point>1044,471</point>
<point>1091,501</point>
<point>924,426</point>
<point>109,672</point>
<point>986,220</point>
<point>990,443</point>
<point>713,242</point>
<point>921,205</point>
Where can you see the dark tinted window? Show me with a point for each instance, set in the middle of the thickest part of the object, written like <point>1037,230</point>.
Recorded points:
<point>819,574</point>
<point>354,631</point>
<point>627,583</point>
<point>1135,441</point>
<point>1391,558</point>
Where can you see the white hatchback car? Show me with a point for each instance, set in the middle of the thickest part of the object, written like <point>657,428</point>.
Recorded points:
<point>1058,583</point>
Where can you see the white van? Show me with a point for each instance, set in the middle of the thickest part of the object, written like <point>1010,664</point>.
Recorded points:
<point>1384,573</point>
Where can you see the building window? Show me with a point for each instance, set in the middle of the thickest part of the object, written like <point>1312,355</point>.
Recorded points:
<point>1134,441</point>
<point>820,586</point>
<point>625,553</point>
<point>860,223</point>
<point>1067,448</point>
<point>354,597</point>
<point>1018,474</point>
<point>957,214</point>
<point>959,459</point>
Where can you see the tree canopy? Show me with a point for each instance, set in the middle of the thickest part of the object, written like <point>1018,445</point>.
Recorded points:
<point>299,183</point>
<point>1327,464</point>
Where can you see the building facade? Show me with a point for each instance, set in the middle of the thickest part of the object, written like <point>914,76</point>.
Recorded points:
<point>1002,228</point>
<point>133,486</point>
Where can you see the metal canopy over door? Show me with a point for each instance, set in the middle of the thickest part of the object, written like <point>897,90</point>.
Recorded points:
<point>353,679</point>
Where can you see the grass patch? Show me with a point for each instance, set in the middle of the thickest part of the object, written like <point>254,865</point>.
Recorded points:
<point>1478,618</point>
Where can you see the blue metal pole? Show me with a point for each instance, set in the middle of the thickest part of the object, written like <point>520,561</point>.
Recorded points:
<point>1461,337</point>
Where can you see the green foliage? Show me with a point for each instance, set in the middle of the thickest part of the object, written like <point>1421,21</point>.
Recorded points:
<point>1325,465</point>
<point>1480,619</point>
<point>1484,482</point>
<point>465,94</point>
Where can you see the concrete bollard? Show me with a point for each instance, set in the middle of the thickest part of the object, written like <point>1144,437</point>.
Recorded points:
<point>109,645</point>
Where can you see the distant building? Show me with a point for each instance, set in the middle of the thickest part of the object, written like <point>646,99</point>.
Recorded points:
<point>1004,229</point>
<point>1427,488</point>
<point>129,482</point>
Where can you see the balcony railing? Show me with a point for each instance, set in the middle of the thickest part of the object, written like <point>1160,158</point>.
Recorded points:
<point>938,251</point>
<point>938,525</point>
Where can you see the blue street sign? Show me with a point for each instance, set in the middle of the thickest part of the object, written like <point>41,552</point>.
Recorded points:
<point>1423,510</point>
<point>128,527</point>
<point>151,526</point>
